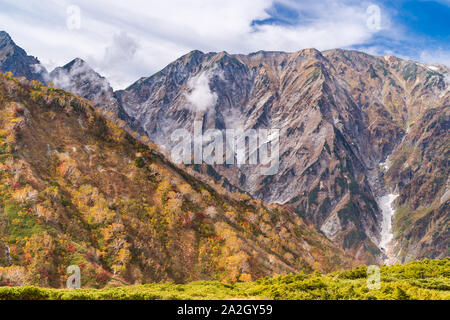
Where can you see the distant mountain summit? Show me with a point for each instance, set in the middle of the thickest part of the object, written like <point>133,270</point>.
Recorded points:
<point>14,59</point>
<point>76,76</point>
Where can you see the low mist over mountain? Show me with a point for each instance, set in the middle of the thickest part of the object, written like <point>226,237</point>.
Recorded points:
<point>80,79</point>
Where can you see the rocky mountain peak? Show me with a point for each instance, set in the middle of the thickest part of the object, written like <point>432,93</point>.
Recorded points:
<point>14,59</point>
<point>76,76</point>
<point>76,63</point>
<point>79,78</point>
<point>4,36</point>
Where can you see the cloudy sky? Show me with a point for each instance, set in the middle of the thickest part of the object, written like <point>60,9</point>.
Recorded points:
<point>132,39</point>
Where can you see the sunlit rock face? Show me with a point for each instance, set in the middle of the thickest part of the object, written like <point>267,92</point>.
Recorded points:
<point>340,115</point>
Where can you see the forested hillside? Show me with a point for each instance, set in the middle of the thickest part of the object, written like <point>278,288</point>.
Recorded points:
<point>75,188</point>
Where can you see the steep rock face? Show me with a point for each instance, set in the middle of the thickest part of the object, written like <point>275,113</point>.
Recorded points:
<point>14,59</point>
<point>340,114</point>
<point>407,106</point>
<point>77,189</point>
<point>419,169</point>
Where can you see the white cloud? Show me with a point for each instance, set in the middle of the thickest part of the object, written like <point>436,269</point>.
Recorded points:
<point>201,98</point>
<point>73,79</point>
<point>119,56</point>
<point>127,40</point>
<point>438,56</point>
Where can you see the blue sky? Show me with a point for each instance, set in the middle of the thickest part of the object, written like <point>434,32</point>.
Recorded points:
<point>414,26</point>
<point>127,40</point>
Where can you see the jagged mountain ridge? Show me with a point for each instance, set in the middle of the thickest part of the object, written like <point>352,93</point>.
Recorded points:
<point>257,95</point>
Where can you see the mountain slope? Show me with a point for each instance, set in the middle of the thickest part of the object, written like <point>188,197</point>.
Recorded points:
<point>408,107</point>
<point>340,114</point>
<point>77,189</point>
<point>358,136</point>
<point>419,168</point>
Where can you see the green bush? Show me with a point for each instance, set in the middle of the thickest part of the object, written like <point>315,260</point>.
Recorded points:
<point>418,280</point>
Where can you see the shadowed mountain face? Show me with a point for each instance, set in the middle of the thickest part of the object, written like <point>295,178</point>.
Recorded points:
<point>340,114</point>
<point>14,59</point>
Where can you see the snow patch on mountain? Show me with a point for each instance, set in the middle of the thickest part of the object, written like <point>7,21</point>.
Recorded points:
<point>385,203</point>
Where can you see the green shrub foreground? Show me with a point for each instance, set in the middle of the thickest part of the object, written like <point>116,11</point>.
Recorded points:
<point>422,280</point>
